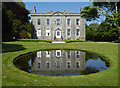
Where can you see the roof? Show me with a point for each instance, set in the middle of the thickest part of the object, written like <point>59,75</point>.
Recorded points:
<point>56,13</point>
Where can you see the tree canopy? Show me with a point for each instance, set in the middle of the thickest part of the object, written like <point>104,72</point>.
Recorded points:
<point>14,20</point>
<point>108,29</point>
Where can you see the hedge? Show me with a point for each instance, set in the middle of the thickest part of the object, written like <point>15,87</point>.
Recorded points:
<point>68,41</point>
<point>35,40</point>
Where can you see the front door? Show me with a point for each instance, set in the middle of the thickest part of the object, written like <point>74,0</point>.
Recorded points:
<point>58,34</point>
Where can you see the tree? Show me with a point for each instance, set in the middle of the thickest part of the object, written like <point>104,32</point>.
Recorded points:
<point>15,18</point>
<point>90,13</point>
<point>89,33</point>
<point>108,29</point>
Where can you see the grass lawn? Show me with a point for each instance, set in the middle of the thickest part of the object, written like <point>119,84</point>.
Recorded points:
<point>11,76</point>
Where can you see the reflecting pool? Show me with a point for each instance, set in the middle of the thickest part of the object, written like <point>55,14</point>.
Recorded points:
<point>61,63</point>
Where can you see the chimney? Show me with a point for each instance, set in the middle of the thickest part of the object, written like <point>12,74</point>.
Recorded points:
<point>80,10</point>
<point>51,11</point>
<point>64,11</point>
<point>34,9</point>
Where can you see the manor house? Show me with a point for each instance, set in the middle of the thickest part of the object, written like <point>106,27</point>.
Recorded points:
<point>57,26</point>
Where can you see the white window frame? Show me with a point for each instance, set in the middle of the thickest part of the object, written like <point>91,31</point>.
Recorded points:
<point>37,21</point>
<point>67,32</point>
<point>47,21</point>
<point>76,64</point>
<point>57,53</point>
<point>39,54</point>
<point>67,64</point>
<point>76,32</point>
<point>47,31</point>
<point>58,22</point>
<point>69,21</point>
<point>56,64</point>
<point>38,32</point>
<point>40,64</point>
<point>67,54</point>
<point>47,55</point>
<point>57,35</point>
<point>49,64</point>
<point>77,54</point>
<point>78,21</point>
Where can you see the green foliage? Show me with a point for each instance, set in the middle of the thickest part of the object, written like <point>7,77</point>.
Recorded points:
<point>68,41</point>
<point>105,32</point>
<point>35,40</point>
<point>24,35</point>
<point>89,34</point>
<point>90,13</point>
<point>15,18</point>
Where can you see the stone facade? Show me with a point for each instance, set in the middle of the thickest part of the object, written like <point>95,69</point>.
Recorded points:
<point>57,26</point>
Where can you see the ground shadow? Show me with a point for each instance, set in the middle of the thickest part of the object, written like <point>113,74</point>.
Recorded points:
<point>11,47</point>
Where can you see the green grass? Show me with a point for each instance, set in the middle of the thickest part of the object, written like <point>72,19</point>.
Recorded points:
<point>14,77</point>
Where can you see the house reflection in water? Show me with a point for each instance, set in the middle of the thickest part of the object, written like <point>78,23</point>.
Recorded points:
<point>58,62</point>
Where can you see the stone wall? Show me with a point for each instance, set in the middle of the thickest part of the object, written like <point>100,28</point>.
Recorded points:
<point>63,27</point>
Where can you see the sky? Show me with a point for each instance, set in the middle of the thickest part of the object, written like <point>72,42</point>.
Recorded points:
<point>42,7</point>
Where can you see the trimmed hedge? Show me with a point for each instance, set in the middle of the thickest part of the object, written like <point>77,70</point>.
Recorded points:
<point>35,40</point>
<point>68,41</point>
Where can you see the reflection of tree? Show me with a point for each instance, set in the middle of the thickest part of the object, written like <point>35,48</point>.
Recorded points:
<point>89,70</point>
<point>106,61</point>
<point>90,56</point>
<point>22,62</point>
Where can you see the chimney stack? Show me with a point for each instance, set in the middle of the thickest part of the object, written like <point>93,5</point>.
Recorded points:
<point>34,9</point>
<point>51,11</point>
<point>64,11</point>
<point>80,10</point>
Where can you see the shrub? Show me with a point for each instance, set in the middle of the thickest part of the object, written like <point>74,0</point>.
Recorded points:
<point>35,40</point>
<point>68,41</point>
<point>24,34</point>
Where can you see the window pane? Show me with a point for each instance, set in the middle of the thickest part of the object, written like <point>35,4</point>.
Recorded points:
<point>68,32</point>
<point>78,64</point>
<point>39,65</point>
<point>68,21</point>
<point>38,32</point>
<point>48,65</point>
<point>58,21</point>
<point>47,21</point>
<point>47,32</point>
<point>38,21</point>
<point>77,21</point>
<point>77,32</point>
<point>68,55</point>
<point>68,64</point>
<point>58,33</point>
<point>39,54</point>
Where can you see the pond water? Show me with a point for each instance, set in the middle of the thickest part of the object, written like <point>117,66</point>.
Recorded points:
<point>61,63</point>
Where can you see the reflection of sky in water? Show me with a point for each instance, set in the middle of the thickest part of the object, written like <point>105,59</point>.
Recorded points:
<point>96,63</point>
<point>29,70</point>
